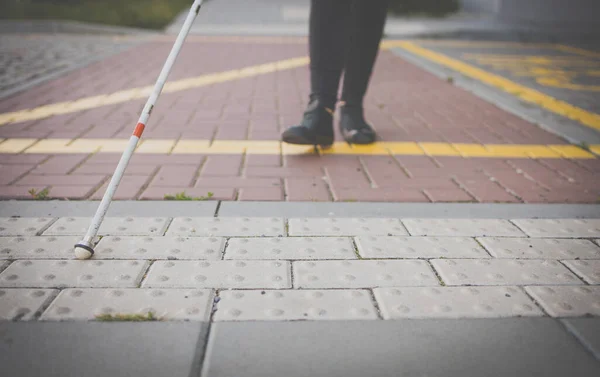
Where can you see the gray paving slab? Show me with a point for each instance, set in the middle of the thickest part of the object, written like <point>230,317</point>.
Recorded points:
<point>290,248</point>
<point>419,247</point>
<point>519,347</point>
<point>111,226</point>
<point>23,226</point>
<point>23,304</point>
<point>363,274</point>
<point>587,331</point>
<point>588,270</point>
<point>127,247</point>
<point>564,301</point>
<point>503,272</point>
<point>560,228</point>
<point>95,349</point>
<point>346,227</point>
<point>455,302</point>
<point>119,208</point>
<point>235,227</point>
<point>295,305</point>
<point>219,274</point>
<point>165,304</point>
<point>38,247</point>
<point>462,228</point>
<point>73,273</point>
<point>531,248</point>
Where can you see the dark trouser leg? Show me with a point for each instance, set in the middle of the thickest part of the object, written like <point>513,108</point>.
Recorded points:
<point>367,21</point>
<point>328,25</point>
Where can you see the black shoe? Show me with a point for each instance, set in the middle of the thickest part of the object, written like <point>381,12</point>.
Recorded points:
<point>354,128</point>
<point>316,127</point>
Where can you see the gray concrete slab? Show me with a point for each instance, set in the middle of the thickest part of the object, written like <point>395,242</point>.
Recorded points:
<point>448,348</point>
<point>56,208</point>
<point>65,349</point>
<point>587,330</point>
<point>408,210</point>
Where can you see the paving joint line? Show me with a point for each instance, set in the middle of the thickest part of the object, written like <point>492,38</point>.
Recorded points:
<point>42,309</point>
<point>476,239</point>
<point>575,334</point>
<point>355,246</point>
<point>536,303</point>
<point>327,179</point>
<point>366,173</point>
<point>146,184</point>
<point>436,273</point>
<point>561,262</point>
<point>375,303</point>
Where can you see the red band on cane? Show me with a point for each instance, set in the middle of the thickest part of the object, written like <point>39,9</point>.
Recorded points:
<point>139,129</point>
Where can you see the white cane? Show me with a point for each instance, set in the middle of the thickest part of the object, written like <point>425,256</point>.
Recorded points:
<point>85,248</point>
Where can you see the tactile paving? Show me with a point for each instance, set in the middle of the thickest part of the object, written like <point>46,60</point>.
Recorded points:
<point>72,273</point>
<point>532,248</point>
<point>219,274</point>
<point>363,274</point>
<point>419,247</point>
<point>38,247</point>
<point>111,226</point>
<point>125,247</point>
<point>227,227</point>
<point>295,305</point>
<point>560,228</point>
<point>346,227</point>
<point>561,301</point>
<point>503,272</point>
<point>589,270</point>
<point>23,304</point>
<point>23,226</point>
<point>462,227</point>
<point>290,248</point>
<point>454,302</point>
<point>164,304</point>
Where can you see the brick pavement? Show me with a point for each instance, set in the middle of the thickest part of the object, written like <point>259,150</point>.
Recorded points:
<point>245,269</point>
<point>405,104</point>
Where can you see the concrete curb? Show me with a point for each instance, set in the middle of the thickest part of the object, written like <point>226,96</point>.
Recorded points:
<point>56,208</point>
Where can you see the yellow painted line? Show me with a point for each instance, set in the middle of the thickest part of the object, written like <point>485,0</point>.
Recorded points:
<point>16,145</point>
<point>526,94</point>
<point>577,50</point>
<point>274,147</point>
<point>143,92</point>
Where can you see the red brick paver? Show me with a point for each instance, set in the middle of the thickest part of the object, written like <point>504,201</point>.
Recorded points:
<point>404,103</point>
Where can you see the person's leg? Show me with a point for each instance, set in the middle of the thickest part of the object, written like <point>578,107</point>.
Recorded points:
<point>367,21</point>
<point>327,31</point>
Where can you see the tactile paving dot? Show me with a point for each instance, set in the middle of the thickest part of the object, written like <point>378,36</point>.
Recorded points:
<point>461,227</point>
<point>290,248</point>
<point>286,305</point>
<point>419,247</point>
<point>346,227</point>
<point>125,247</point>
<point>219,274</point>
<point>111,226</point>
<point>363,274</point>
<point>22,304</point>
<point>22,226</point>
<point>561,301</point>
<point>589,270</point>
<point>41,247</point>
<point>227,226</point>
<point>560,228</point>
<point>72,273</point>
<point>165,304</point>
<point>454,302</point>
<point>531,248</point>
<point>503,272</point>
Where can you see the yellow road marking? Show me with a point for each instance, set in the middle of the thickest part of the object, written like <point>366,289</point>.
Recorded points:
<point>274,147</point>
<point>527,94</point>
<point>144,92</point>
